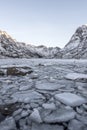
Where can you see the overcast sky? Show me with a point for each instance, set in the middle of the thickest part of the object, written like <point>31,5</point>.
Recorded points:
<point>46,22</point>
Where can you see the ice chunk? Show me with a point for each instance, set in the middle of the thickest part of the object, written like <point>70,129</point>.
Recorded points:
<point>46,127</point>
<point>60,115</point>
<point>50,106</point>
<point>27,96</point>
<point>8,124</point>
<point>70,99</point>
<point>35,116</point>
<point>47,86</point>
<point>76,125</point>
<point>76,76</point>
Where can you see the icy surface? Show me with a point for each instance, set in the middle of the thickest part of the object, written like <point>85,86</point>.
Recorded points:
<point>76,76</point>
<point>61,115</point>
<point>76,125</point>
<point>35,116</point>
<point>46,86</point>
<point>52,95</point>
<point>70,99</point>
<point>47,127</point>
<point>27,96</point>
<point>49,106</point>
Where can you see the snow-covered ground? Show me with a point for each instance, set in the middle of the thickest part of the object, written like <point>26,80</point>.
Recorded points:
<point>43,94</point>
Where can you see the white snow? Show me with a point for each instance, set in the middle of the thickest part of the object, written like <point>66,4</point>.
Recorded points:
<point>72,45</point>
<point>1,48</point>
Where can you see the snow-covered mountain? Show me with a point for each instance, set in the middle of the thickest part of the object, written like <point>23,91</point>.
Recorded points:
<point>77,46</point>
<point>11,48</point>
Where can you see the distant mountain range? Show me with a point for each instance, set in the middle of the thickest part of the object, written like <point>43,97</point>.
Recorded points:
<point>75,48</point>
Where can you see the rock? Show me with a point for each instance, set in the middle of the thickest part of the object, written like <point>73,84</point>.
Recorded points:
<point>18,71</point>
<point>35,116</point>
<point>76,125</point>
<point>46,127</point>
<point>50,106</point>
<point>60,115</point>
<point>2,117</point>
<point>70,99</point>
<point>2,73</point>
<point>8,124</point>
<point>8,109</point>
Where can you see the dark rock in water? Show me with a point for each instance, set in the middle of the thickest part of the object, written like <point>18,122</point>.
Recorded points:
<point>2,117</point>
<point>8,109</point>
<point>2,73</point>
<point>18,71</point>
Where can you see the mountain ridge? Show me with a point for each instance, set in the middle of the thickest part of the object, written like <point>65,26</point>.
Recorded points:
<point>11,48</point>
<point>76,47</point>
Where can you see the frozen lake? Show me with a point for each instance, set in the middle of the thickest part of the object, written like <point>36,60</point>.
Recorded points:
<point>38,94</point>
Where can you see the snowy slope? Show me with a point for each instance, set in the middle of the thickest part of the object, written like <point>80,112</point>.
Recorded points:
<point>11,48</point>
<point>77,46</point>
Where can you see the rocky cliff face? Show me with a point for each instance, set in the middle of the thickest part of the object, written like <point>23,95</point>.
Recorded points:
<point>77,46</point>
<point>11,48</point>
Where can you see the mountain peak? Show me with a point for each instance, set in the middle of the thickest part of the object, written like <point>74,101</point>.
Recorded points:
<point>4,33</point>
<point>85,25</point>
<point>77,46</point>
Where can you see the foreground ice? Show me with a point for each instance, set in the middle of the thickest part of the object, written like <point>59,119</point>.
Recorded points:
<point>61,115</point>
<point>47,86</point>
<point>70,99</point>
<point>76,76</point>
<point>51,96</point>
<point>27,96</point>
<point>46,127</point>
